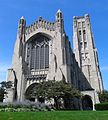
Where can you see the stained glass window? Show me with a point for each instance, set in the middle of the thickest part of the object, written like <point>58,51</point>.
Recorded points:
<point>39,53</point>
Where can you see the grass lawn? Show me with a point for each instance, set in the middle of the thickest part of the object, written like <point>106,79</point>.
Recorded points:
<point>56,115</point>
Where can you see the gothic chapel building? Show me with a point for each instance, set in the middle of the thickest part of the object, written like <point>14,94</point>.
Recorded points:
<point>43,52</point>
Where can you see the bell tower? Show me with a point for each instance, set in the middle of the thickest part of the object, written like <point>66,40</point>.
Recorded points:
<point>86,52</point>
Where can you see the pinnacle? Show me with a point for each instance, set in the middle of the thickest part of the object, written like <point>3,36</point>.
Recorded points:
<point>22,17</point>
<point>59,11</point>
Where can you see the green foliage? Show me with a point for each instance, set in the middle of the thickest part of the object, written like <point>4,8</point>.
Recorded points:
<point>102,106</point>
<point>2,92</point>
<point>3,86</point>
<point>50,89</point>
<point>23,107</point>
<point>103,96</point>
<point>53,89</point>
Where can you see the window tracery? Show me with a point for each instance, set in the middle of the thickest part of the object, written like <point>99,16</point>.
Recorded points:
<point>39,58</point>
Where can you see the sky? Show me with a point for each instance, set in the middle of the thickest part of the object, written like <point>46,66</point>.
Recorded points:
<point>12,10</point>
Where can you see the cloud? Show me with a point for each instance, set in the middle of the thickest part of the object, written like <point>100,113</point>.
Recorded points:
<point>104,68</point>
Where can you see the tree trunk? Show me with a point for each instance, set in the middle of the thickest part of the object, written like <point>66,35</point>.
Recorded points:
<point>56,104</point>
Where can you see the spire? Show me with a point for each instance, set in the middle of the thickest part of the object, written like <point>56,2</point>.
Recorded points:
<point>59,11</point>
<point>22,18</point>
<point>59,21</point>
<point>21,26</point>
<point>86,15</point>
<point>22,21</point>
<point>59,14</point>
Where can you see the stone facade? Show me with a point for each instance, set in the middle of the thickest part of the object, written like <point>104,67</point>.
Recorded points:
<point>86,53</point>
<point>43,52</point>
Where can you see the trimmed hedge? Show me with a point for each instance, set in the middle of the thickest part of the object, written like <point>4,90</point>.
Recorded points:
<point>101,106</point>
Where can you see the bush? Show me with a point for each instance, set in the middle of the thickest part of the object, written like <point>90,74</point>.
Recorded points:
<point>24,107</point>
<point>103,96</point>
<point>102,106</point>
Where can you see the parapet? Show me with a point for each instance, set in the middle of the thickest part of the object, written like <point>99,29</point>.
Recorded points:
<point>40,23</point>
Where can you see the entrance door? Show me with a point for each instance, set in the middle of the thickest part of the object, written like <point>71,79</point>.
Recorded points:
<point>87,103</point>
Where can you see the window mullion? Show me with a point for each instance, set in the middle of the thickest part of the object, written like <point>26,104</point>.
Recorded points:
<point>44,56</point>
<point>30,57</point>
<point>35,58</point>
<point>39,55</point>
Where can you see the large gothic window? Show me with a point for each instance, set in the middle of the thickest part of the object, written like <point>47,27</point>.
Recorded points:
<point>38,53</point>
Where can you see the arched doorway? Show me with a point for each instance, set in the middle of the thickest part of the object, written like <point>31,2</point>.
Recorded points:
<point>87,103</point>
<point>31,95</point>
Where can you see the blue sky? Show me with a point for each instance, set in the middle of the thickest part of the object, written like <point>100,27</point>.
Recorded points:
<point>12,10</point>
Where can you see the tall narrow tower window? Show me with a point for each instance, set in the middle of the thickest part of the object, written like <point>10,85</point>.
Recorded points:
<point>81,45</point>
<point>60,15</point>
<point>80,32</point>
<point>79,24</point>
<point>80,37</point>
<point>85,45</point>
<point>84,35</point>
<point>83,24</point>
<point>82,56</point>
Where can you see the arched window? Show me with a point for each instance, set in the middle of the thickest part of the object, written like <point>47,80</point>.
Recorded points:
<point>39,53</point>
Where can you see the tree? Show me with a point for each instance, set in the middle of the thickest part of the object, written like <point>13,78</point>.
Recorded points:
<point>56,90</point>
<point>3,86</point>
<point>103,96</point>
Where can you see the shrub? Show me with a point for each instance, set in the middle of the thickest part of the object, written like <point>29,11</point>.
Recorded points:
<point>103,96</point>
<point>23,106</point>
<point>102,106</point>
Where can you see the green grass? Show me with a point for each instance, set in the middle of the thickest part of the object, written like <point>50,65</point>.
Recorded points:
<point>56,115</point>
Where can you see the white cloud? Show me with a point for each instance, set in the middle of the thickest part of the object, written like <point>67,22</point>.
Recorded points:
<point>104,68</point>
